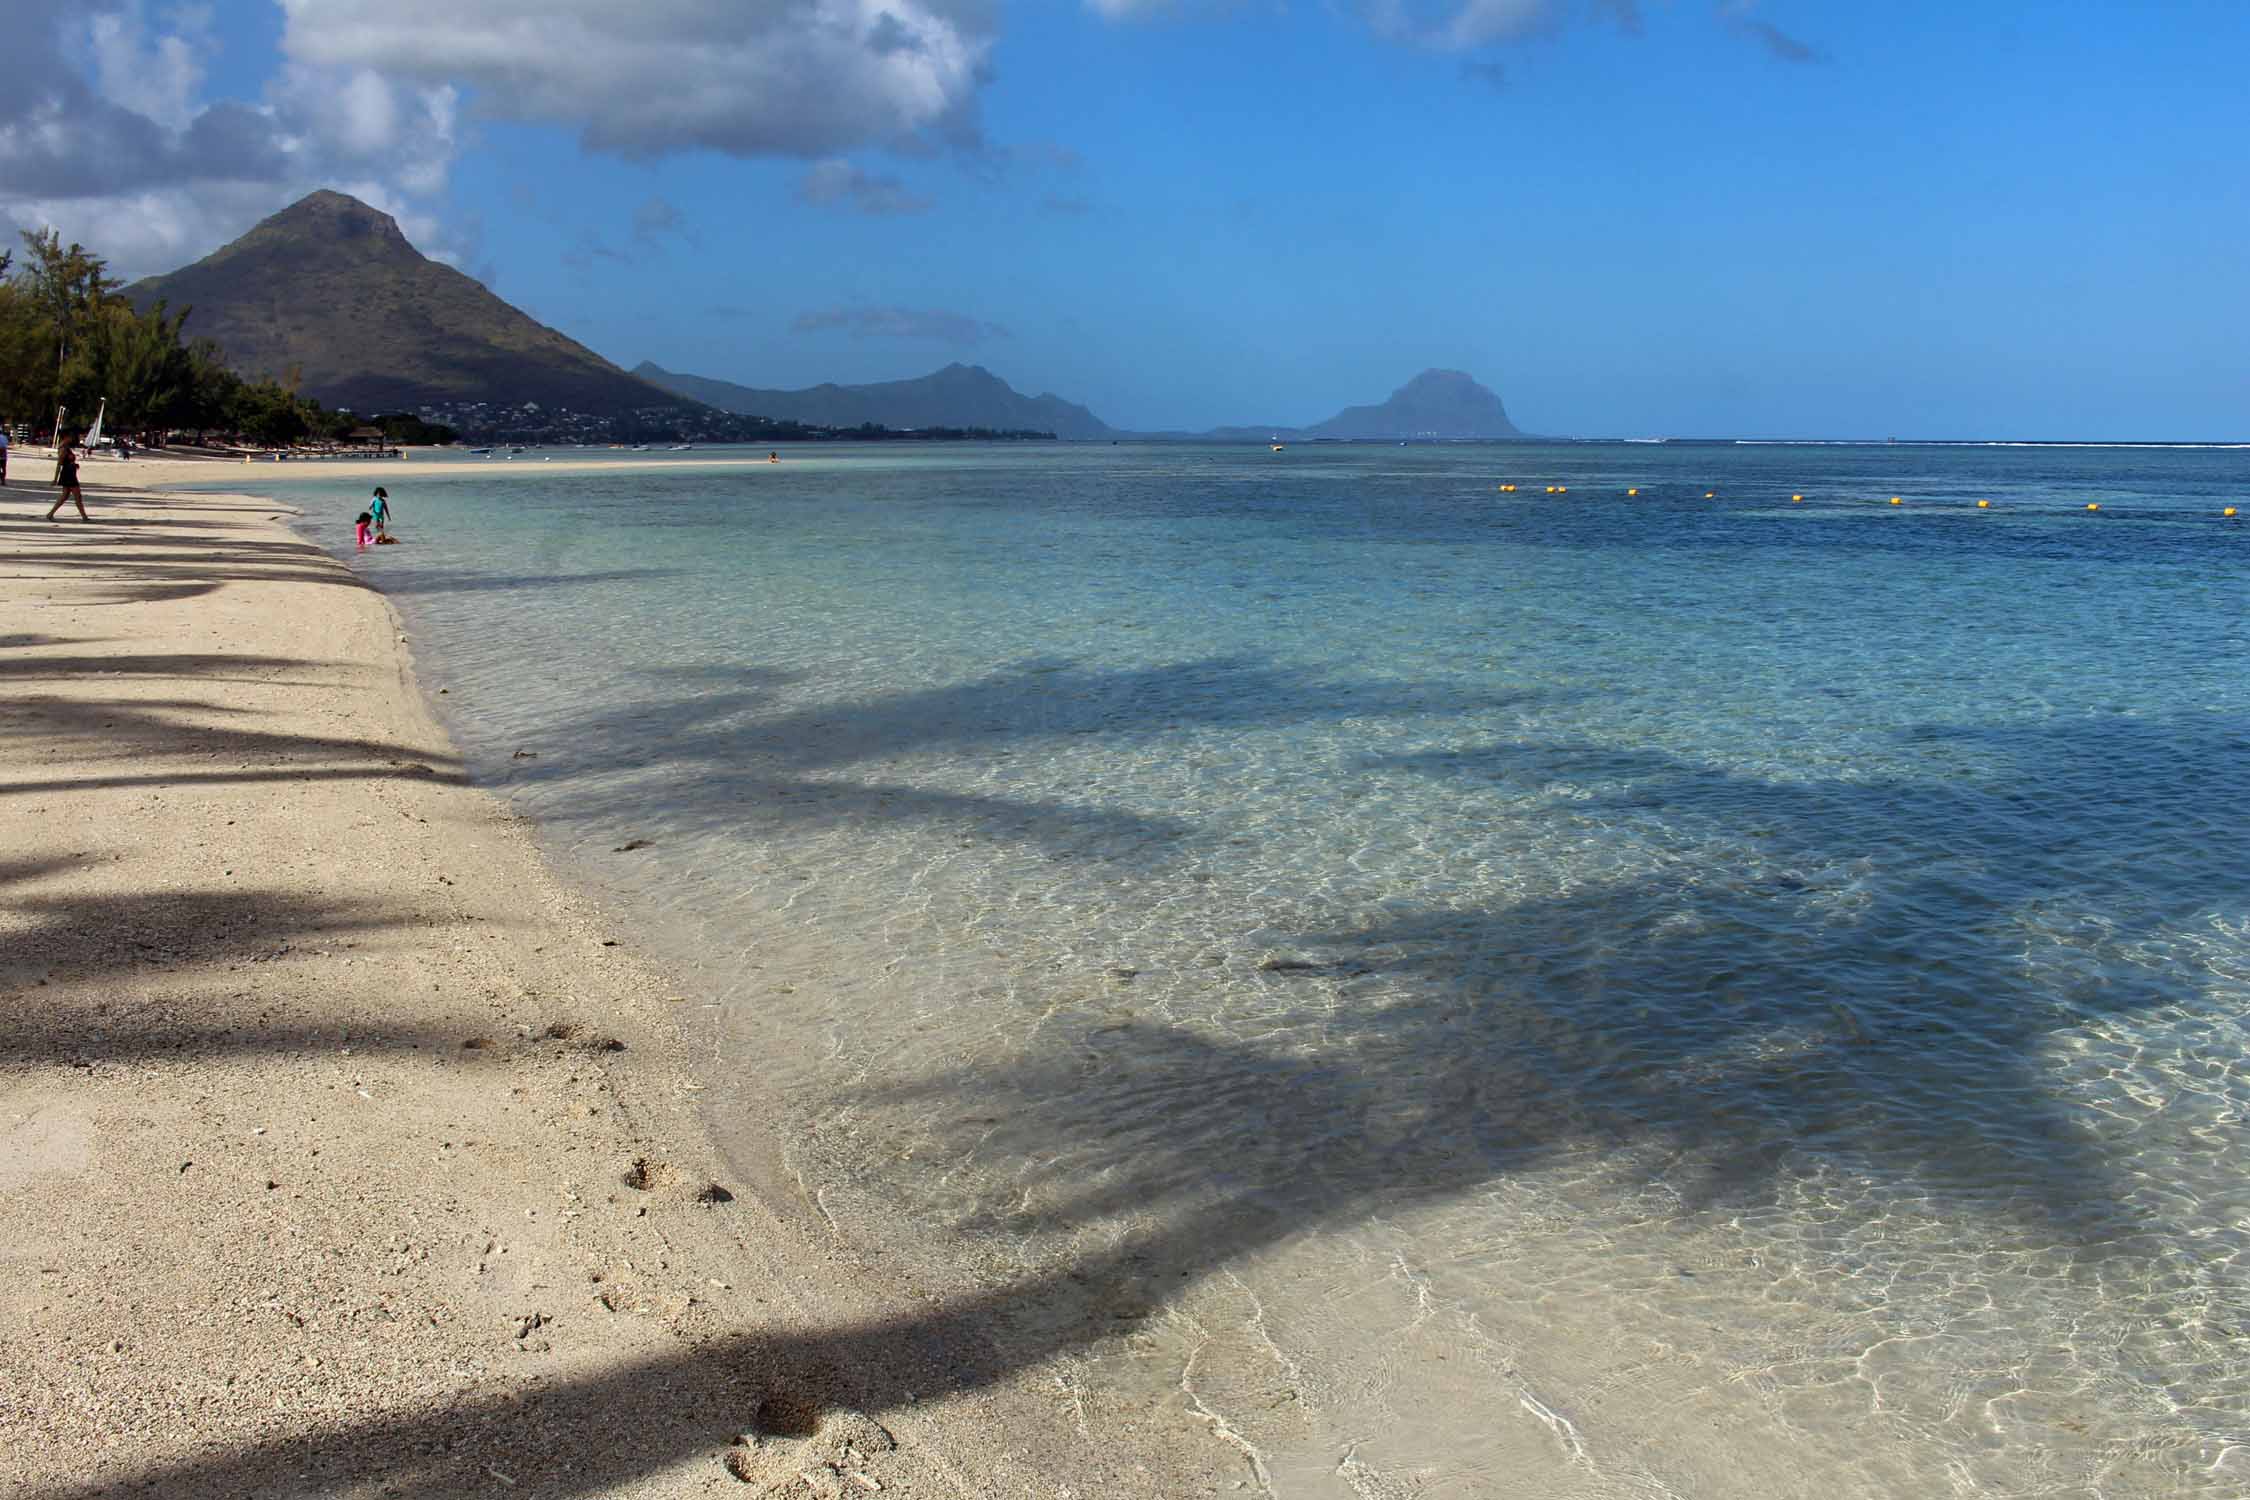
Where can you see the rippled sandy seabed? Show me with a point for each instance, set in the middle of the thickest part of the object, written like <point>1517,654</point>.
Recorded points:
<point>1490,993</point>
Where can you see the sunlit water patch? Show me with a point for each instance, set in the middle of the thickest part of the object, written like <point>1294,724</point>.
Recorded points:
<point>1467,992</point>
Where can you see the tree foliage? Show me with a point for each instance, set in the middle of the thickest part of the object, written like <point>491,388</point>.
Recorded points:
<point>68,342</point>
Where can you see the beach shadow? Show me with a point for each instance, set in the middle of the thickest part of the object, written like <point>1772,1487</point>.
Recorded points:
<point>28,640</point>
<point>1837,980</point>
<point>172,741</point>
<point>207,666</point>
<point>1864,974</point>
<point>72,937</point>
<point>721,740</point>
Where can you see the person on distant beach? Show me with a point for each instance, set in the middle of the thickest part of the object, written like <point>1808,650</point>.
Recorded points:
<point>3,456</point>
<point>360,528</point>
<point>66,475</point>
<point>380,509</point>
<point>773,458</point>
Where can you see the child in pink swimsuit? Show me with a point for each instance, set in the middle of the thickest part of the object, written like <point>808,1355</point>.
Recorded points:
<point>360,527</point>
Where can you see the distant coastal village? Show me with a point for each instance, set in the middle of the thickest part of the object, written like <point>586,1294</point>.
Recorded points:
<point>322,329</point>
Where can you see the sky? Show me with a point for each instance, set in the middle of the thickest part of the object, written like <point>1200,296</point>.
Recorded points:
<point>1926,218</point>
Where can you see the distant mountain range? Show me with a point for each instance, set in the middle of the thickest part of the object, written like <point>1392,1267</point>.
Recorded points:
<point>330,289</point>
<point>1434,404</point>
<point>956,396</point>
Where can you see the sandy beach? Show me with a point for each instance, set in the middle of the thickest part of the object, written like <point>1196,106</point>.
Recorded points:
<point>348,1152</point>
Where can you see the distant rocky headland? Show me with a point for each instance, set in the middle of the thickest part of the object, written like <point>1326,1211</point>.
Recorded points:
<point>1436,405</point>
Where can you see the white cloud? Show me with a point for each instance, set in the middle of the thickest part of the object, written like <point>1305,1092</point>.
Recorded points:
<point>106,135</point>
<point>148,231</point>
<point>156,74</point>
<point>745,77</point>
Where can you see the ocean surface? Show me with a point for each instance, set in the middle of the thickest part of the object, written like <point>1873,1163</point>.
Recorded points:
<point>1464,992</point>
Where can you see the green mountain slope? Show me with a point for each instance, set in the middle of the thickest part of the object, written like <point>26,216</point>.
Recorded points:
<point>331,289</point>
<point>956,396</point>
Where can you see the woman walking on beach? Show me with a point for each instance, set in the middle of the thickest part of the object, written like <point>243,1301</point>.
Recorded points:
<point>66,475</point>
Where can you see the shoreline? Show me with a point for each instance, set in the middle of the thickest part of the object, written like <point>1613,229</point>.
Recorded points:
<point>358,1149</point>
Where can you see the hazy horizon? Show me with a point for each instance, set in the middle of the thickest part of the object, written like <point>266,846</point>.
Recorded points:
<point>1731,219</point>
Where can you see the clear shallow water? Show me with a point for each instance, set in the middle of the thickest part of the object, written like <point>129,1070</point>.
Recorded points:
<point>1479,993</point>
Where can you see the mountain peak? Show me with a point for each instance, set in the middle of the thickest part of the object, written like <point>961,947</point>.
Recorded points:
<point>331,291</point>
<point>335,215</point>
<point>1438,380</point>
<point>1434,404</point>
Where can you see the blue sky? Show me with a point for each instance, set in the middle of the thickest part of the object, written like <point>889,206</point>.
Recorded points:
<point>1701,217</point>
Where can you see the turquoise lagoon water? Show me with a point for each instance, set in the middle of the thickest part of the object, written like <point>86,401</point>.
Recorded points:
<point>1457,992</point>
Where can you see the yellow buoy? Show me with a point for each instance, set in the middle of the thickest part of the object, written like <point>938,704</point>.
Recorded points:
<point>1984,505</point>
<point>1550,489</point>
<point>1895,500</point>
<point>1562,489</point>
<point>1636,492</point>
<point>1710,494</point>
<point>2094,507</point>
<point>2228,512</point>
<point>1796,499</point>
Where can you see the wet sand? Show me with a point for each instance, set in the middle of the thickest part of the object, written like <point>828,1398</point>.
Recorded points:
<point>346,1151</point>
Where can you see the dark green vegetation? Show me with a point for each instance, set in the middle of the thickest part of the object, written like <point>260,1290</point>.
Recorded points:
<point>967,397</point>
<point>69,340</point>
<point>329,290</point>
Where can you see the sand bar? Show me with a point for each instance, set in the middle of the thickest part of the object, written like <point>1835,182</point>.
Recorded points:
<point>344,1151</point>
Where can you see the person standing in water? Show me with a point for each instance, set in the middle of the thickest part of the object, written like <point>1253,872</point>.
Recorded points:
<point>66,475</point>
<point>379,509</point>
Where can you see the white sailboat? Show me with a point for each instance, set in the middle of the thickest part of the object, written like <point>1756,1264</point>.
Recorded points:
<point>94,433</point>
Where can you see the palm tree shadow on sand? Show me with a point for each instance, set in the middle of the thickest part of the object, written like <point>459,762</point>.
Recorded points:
<point>1848,977</point>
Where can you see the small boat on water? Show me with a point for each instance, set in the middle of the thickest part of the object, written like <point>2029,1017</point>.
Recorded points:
<point>480,453</point>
